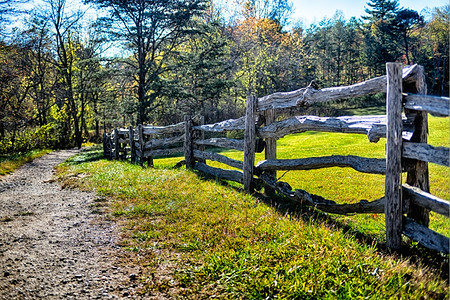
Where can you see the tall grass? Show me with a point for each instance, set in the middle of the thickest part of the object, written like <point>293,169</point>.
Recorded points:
<point>197,238</point>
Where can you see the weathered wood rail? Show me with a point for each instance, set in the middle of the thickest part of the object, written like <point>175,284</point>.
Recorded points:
<point>406,206</point>
<point>142,143</point>
<point>201,156</point>
<point>415,153</point>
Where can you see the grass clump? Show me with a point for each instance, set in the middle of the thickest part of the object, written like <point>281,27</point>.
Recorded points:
<point>9,163</point>
<point>197,238</point>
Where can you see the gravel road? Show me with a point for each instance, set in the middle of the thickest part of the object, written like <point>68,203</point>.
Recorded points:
<point>53,245</point>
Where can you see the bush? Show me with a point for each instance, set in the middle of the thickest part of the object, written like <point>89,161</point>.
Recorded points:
<point>19,142</point>
<point>44,137</point>
<point>235,134</point>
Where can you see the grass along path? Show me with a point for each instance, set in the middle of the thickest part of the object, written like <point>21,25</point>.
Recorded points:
<point>197,238</point>
<point>10,163</point>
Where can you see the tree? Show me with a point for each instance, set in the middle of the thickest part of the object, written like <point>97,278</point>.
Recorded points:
<point>381,10</point>
<point>15,110</point>
<point>380,41</point>
<point>152,30</point>
<point>261,51</point>
<point>201,79</point>
<point>9,8</point>
<point>43,74</point>
<point>278,11</point>
<point>90,78</point>
<point>332,49</point>
<point>433,51</point>
<point>405,23</point>
<point>318,46</point>
<point>354,68</point>
<point>65,33</point>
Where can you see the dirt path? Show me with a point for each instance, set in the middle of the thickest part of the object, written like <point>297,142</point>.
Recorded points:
<point>52,245</point>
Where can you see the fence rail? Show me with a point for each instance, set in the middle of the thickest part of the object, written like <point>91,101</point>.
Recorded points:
<point>406,150</point>
<point>438,106</point>
<point>222,143</point>
<point>373,126</point>
<point>426,200</point>
<point>361,164</point>
<point>144,142</point>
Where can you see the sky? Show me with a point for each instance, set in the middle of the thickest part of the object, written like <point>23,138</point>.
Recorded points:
<point>313,11</point>
<point>308,12</point>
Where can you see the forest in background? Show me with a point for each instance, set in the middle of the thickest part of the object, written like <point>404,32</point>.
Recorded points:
<point>65,78</point>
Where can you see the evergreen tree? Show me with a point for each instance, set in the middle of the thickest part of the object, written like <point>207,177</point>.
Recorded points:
<point>381,10</point>
<point>405,23</point>
<point>380,38</point>
<point>202,77</point>
<point>433,51</point>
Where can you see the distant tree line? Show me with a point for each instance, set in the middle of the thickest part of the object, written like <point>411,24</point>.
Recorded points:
<point>59,88</point>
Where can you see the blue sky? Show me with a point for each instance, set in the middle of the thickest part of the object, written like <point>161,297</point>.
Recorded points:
<point>312,11</point>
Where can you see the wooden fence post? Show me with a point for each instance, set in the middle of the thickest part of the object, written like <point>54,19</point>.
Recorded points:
<point>270,149</point>
<point>200,134</point>
<point>110,145</point>
<point>201,121</point>
<point>116,145</point>
<point>141,144</point>
<point>393,188</point>
<point>188,143</point>
<point>249,143</point>
<point>418,174</point>
<point>150,158</point>
<point>123,148</point>
<point>132,144</point>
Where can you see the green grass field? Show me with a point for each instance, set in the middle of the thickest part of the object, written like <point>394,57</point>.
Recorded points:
<point>198,238</point>
<point>344,185</point>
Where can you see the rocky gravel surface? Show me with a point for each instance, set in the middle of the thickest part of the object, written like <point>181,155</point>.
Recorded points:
<point>53,244</point>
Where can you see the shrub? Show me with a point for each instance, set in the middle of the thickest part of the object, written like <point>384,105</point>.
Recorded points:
<point>49,136</point>
<point>46,137</point>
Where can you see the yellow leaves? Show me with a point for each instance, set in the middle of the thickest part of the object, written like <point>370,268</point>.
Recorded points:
<point>59,114</point>
<point>263,47</point>
<point>263,30</point>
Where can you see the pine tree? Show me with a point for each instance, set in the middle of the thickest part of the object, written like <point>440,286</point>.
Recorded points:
<point>379,35</point>
<point>405,23</point>
<point>384,10</point>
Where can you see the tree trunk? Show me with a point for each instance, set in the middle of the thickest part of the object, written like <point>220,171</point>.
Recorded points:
<point>405,38</point>
<point>2,130</point>
<point>97,122</point>
<point>141,118</point>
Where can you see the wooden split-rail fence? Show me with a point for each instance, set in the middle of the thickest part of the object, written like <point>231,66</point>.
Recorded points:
<point>406,206</point>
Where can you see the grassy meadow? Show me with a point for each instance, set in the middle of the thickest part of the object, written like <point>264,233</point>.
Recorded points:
<point>345,185</point>
<point>199,238</point>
